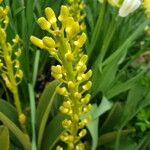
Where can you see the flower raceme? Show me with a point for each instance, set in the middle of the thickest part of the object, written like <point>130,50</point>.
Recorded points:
<point>65,44</point>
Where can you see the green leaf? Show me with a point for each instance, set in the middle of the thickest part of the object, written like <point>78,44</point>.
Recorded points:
<point>113,118</point>
<point>53,131</point>
<point>44,108</point>
<point>110,136</point>
<point>7,109</point>
<point>96,112</point>
<point>22,137</point>
<point>4,138</point>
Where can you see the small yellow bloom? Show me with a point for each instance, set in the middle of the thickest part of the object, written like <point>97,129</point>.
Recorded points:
<point>49,42</point>
<point>50,15</point>
<point>64,13</point>
<point>43,23</point>
<point>37,42</point>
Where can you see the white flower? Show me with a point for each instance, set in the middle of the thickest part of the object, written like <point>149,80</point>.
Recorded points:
<point>128,6</point>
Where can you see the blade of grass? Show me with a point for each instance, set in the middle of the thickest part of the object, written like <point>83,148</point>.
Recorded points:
<point>32,105</point>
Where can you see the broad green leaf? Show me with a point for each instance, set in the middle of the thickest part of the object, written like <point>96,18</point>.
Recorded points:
<point>4,138</point>
<point>113,118</point>
<point>53,131</point>
<point>7,109</point>
<point>96,112</point>
<point>111,136</point>
<point>122,87</point>
<point>22,137</point>
<point>44,108</point>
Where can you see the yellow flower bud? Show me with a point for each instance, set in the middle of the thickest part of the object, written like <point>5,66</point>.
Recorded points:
<point>86,99</point>
<point>79,43</point>
<point>87,86</point>
<point>37,42</point>
<point>87,75</point>
<point>50,15</point>
<point>2,34</point>
<point>62,91</point>
<point>83,59</point>
<point>16,39</point>
<point>43,23</point>
<point>72,27</point>
<point>19,74</point>
<point>64,13</point>
<point>59,148</point>
<point>63,109</point>
<point>17,64</point>
<point>80,146</point>
<point>82,133</point>
<point>87,108</point>
<point>77,95</point>
<point>67,104</point>
<point>57,69</point>
<point>76,117</point>
<point>71,85</point>
<point>66,123</point>
<point>18,52</point>
<point>22,119</point>
<point>69,56</point>
<point>48,42</point>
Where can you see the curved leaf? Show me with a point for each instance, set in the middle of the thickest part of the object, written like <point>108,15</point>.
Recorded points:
<point>10,111</point>
<point>44,108</point>
<point>4,138</point>
<point>23,138</point>
<point>53,132</point>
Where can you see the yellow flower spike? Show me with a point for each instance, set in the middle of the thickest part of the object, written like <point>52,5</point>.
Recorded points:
<point>43,23</point>
<point>82,39</point>
<point>146,4</point>
<point>64,13</point>
<point>37,42</point>
<point>50,15</point>
<point>49,42</point>
<point>72,27</point>
<point>22,119</point>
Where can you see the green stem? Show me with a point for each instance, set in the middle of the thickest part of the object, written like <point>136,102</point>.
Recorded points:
<point>11,76</point>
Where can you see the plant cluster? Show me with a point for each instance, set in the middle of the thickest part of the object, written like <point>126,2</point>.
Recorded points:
<point>81,81</point>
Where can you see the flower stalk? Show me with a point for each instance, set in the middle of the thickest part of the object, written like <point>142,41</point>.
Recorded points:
<point>9,63</point>
<point>65,44</point>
